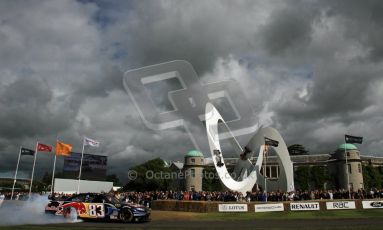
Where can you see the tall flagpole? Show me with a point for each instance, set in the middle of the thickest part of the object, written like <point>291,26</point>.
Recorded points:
<point>348,175</point>
<point>54,168</point>
<point>265,171</point>
<point>33,169</point>
<point>17,168</point>
<point>53,174</point>
<point>82,156</point>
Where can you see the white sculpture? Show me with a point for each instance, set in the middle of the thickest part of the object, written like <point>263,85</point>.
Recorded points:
<point>245,174</point>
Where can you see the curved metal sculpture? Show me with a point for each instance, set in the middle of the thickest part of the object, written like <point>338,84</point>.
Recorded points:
<point>245,174</point>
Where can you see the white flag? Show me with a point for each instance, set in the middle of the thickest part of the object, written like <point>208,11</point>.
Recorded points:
<point>91,142</point>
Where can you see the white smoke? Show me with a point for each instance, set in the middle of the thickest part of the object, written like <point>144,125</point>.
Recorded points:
<point>29,212</point>
<point>1,199</point>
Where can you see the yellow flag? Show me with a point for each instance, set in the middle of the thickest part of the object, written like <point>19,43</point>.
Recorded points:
<point>63,149</point>
<point>266,149</point>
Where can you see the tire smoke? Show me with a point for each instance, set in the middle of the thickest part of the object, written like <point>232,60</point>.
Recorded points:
<point>29,212</point>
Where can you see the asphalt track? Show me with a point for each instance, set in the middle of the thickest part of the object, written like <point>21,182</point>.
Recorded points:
<point>188,220</point>
<point>363,223</point>
<point>238,224</point>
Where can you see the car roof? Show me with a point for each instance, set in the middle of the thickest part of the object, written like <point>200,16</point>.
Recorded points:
<point>86,194</point>
<point>90,193</point>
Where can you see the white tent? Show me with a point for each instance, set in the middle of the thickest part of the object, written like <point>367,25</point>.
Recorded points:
<point>70,186</point>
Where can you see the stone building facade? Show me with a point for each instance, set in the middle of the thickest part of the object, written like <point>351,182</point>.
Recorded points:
<point>193,169</point>
<point>342,172</point>
<point>345,166</point>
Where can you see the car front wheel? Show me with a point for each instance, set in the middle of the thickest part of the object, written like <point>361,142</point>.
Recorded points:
<point>126,216</point>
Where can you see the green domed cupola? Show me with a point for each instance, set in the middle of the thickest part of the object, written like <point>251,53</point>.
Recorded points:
<point>347,147</point>
<point>194,153</point>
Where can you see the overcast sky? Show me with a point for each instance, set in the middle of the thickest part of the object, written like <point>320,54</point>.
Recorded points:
<point>311,69</point>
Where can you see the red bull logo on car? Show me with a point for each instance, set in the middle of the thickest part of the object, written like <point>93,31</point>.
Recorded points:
<point>88,210</point>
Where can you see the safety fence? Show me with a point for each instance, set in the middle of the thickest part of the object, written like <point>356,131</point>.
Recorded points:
<point>204,206</point>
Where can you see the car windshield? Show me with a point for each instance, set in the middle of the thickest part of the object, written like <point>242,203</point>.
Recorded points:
<point>113,200</point>
<point>96,198</point>
<point>80,197</point>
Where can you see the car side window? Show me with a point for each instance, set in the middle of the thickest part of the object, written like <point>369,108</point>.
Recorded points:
<point>79,198</point>
<point>98,199</point>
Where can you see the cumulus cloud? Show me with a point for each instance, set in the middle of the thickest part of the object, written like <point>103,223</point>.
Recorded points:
<point>312,69</point>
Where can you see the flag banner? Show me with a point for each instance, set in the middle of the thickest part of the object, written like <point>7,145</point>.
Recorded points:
<point>91,142</point>
<point>25,151</point>
<point>216,152</point>
<point>246,150</point>
<point>244,153</point>
<point>353,139</point>
<point>266,149</point>
<point>44,148</point>
<point>271,142</point>
<point>63,149</point>
<point>94,167</point>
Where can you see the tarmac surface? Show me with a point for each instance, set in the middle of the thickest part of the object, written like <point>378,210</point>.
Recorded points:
<point>366,223</point>
<point>190,220</point>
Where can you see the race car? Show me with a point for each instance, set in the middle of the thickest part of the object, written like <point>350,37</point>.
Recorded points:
<point>93,206</point>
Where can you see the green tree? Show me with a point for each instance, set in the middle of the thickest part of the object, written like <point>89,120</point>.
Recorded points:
<point>114,178</point>
<point>210,180</point>
<point>47,178</point>
<point>39,186</point>
<point>149,176</point>
<point>302,177</point>
<point>297,149</point>
<point>312,177</point>
<point>372,176</point>
<point>319,176</point>
<point>9,185</point>
<point>46,181</point>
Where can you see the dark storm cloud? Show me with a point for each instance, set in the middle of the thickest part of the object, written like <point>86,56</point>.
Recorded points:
<point>157,31</point>
<point>45,48</point>
<point>289,28</point>
<point>363,21</point>
<point>348,93</point>
<point>100,84</point>
<point>26,110</point>
<point>312,69</point>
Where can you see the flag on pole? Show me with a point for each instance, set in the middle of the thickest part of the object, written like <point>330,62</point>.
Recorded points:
<point>271,142</point>
<point>63,149</point>
<point>353,139</point>
<point>44,148</point>
<point>91,142</point>
<point>266,149</point>
<point>25,151</point>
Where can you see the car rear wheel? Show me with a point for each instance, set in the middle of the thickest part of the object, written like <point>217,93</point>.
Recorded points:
<point>126,216</point>
<point>70,213</point>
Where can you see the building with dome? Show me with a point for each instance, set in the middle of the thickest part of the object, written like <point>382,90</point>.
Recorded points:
<point>345,166</point>
<point>342,171</point>
<point>193,170</point>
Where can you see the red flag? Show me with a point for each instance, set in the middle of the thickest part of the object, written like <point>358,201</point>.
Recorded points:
<point>44,148</point>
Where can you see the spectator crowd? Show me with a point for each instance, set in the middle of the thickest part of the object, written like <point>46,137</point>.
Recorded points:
<point>227,196</point>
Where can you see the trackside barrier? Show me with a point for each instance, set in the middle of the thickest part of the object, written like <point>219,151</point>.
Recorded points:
<point>372,204</point>
<point>232,207</point>
<point>305,206</point>
<point>214,206</point>
<point>273,207</point>
<point>340,205</point>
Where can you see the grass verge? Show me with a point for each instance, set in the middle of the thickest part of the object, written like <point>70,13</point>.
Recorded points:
<point>338,214</point>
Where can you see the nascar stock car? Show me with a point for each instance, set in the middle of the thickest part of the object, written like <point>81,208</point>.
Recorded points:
<point>93,206</point>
